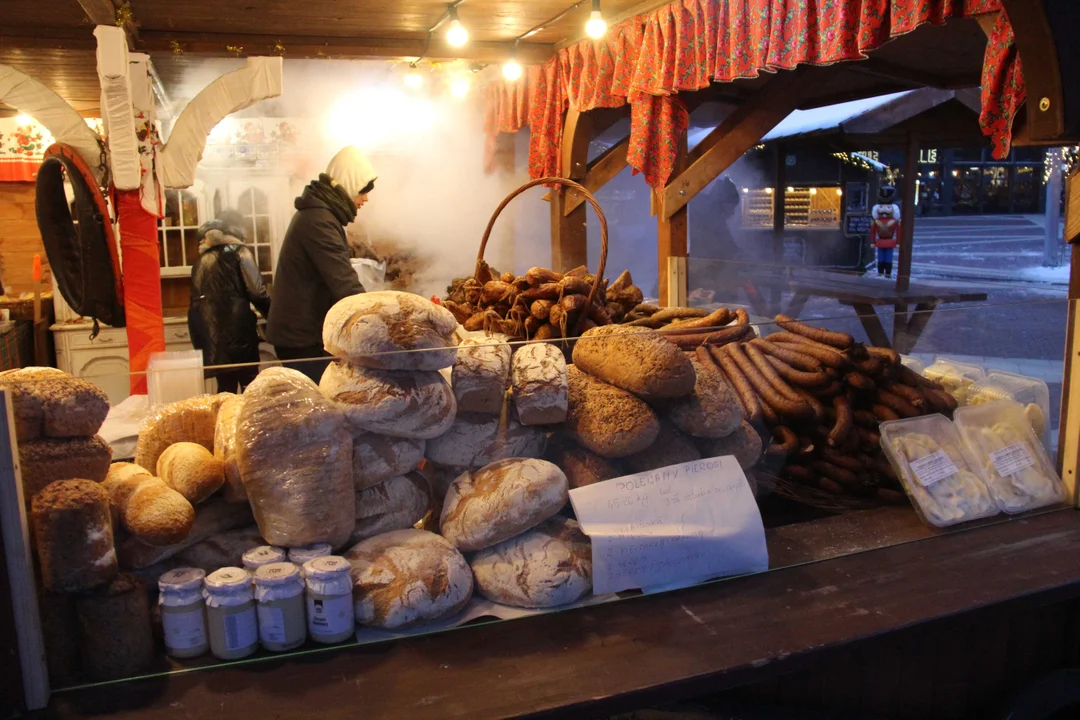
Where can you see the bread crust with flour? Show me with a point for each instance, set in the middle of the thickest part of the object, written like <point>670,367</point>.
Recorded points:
<point>373,328</point>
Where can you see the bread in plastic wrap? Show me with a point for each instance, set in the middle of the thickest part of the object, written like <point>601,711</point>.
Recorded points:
<point>294,454</point>
<point>225,448</point>
<point>191,420</point>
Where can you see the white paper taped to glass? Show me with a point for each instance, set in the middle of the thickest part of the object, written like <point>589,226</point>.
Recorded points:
<point>672,527</point>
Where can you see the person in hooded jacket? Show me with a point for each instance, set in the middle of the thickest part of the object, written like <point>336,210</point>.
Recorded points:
<point>225,283</point>
<point>313,270</point>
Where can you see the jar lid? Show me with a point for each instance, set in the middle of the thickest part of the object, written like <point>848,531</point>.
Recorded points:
<point>301,555</point>
<point>229,579</point>
<point>278,573</point>
<point>326,568</point>
<point>182,579</point>
<point>263,555</point>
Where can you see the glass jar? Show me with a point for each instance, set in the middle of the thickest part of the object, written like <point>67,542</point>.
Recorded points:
<point>279,592</point>
<point>230,613</point>
<point>300,555</point>
<point>261,555</point>
<point>183,612</point>
<point>329,599</point>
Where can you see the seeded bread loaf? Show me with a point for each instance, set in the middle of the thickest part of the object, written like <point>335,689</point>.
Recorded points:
<point>192,420</point>
<point>712,410</point>
<point>396,504</point>
<point>582,467</point>
<point>477,440</point>
<point>377,458</point>
<point>606,420</point>
<point>539,376</point>
<point>635,359</point>
<point>50,403</point>
<point>671,447</point>
<point>504,499</point>
<point>481,376</point>
<point>373,328</point>
<point>225,448</point>
<point>147,508</point>
<point>47,460</point>
<point>744,444</point>
<point>114,629</point>
<point>73,535</point>
<point>191,470</point>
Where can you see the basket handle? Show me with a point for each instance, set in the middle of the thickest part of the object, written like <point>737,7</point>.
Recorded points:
<point>595,206</point>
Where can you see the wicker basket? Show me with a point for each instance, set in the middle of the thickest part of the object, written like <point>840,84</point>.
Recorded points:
<point>821,500</point>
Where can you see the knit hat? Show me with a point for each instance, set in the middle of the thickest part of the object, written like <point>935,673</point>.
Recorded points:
<point>352,170</point>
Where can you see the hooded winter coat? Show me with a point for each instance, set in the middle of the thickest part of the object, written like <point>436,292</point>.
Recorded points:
<point>225,282</point>
<point>313,270</point>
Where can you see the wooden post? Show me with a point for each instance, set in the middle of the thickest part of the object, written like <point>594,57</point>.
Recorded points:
<point>778,220</point>
<point>907,214</point>
<point>1068,437</point>
<point>569,239</point>
<point>672,239</point>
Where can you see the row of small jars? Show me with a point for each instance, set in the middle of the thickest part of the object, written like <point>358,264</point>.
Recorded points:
<point>228,614</point>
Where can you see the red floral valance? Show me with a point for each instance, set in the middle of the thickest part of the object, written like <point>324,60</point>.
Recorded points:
<point>686,45</point>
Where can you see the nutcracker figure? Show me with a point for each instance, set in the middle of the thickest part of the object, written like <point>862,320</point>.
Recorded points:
<point>885,230</point>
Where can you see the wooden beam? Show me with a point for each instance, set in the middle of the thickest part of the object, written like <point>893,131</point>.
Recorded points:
<point>1072,207</point>
<point>907,216</point>
<point>987,22</point>
<point>569,239</point>
<point>881,69</point>
<point>779,219</point>
<point>103,12</point>
<point>639,9</point>
<point>672,239</point>
<point>739,132</point>
<point>1042,72</point>
<point>601,171</point>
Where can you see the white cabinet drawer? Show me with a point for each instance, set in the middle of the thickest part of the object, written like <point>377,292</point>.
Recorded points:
<point>107,338</point>
<point>177,334</point>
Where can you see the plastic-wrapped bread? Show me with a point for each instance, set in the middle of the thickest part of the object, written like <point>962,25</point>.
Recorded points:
<point>149,509</point>
<point>50,403</point>
<point>191,470</point>
<point>481,375</point>
<point>373,329</point>
<point>477,440</point>
<point>215,516</point>
<point>225,448</point>
<point>192,420</point>
<point>409,404</point>
<point>396,504</point>
<point>73,535</point>
<point>377,458</point>
<point>47,460</point>
<point>294,452</point>
<point>539,376</point>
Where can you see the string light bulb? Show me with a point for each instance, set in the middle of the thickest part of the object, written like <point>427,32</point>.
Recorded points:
<point>596,26</point>
<point>511,69</point>
<point>460,87</point>
<point>23,119</point>
<point>413,78</point>
<point>456,34</point>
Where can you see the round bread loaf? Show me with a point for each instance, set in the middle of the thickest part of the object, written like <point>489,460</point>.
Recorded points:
<point>156,513</point>
<point>406,578</point>
<point>545,567</point>
<point>712,410</point>
<point>672,447</point>
<point>477,440</point>
<point>409,404</point>
<point>396,504</point>
<point>608,421</point>
<point>744,444</point>
<point>225,448</point>
<point>539,377</point>
<point>73,535</point>
<point>120,483</point>
<point>50,403</point>
<point>481,375</point>
<point>192,420</point>
<point>504,499</point>
<point>581,466</point>
<point>360,327</point>
<point>377,458</point>
<point>50,459</point>
<point>191,470</point>
<point>114,629</point>
<point>635,359</point>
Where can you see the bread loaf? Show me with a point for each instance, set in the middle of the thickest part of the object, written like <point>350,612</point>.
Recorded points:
<point>373,328</point>
<point>409,404</point>
<point>481,376</point>
<point>581,467</point>
<point>395,504</point>
<point>225,549</point>
<point>73,535</point>
<point>295,457</point>
<point>744,444</point>
<point>635,359</point>
<point>672,447</point>
<point>225,448</point>
<point>146,507</point>
<point>608,421</point>
<point>406,578</point>
<point>539,376</point>
<point>114,629</point>
<point>120,482</point>
<point>47,460</point>
<point>191,470</point>
<point>214,516</point>
<point>477,440</point>
<point>545,567</point>
<point>712,410</point>
<point>50,403</point>
<point>504,499</point>
<point>60,634</point>
<point>192,420</point>
<point>377,458</point>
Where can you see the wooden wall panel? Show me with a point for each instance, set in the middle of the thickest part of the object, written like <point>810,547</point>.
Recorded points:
<point>19,237</point>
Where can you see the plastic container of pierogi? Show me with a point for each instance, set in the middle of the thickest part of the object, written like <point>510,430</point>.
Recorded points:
<point>938,473</point>
<point>1030,392</point>
<point>955,376</point>
<point>1012,460</point>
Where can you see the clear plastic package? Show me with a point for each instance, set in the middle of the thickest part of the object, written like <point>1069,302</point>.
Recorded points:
<point>956,377</point>
<point>1030,392</point>
<point>912,363</point>
<point>1013,462</point>
<point>936,470</point>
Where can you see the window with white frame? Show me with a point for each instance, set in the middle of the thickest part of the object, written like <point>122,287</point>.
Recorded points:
<point>178,244</point>
<point>255,208</point>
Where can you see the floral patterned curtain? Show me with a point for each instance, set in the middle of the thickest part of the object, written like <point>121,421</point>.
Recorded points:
<point>687,44</point>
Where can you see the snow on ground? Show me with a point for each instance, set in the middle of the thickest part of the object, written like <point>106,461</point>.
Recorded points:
<point>1057,275</point>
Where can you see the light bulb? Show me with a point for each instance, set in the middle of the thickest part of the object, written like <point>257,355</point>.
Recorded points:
<point>413,79</point>
<point>23,119</point>
<point>595,27</point>
<point>460,87</point>
<point>790,189</point>
<point>768,191</point>
<point>839,191</point>
<point>511,70</point>
<point>456,34</point>
<point>813,191</point>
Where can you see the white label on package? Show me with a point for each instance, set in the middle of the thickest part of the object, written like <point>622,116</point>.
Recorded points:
<point>184,630</point>
<point>271,624</point>
<point>933,468</point>
<point>672,527</point>
<point>241,630</point>
<point>329,615</point>
<point>1011,460</point>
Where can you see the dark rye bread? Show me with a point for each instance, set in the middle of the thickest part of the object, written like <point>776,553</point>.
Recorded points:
<point>47,460</point>
<point>114,629</point>
<point>73,535</point>
<point>582,467</point>
<point>745,444</point>
<point>672,447</point>
<point>50,403</point>
<point>409,404</point>
<point>638,360</point>
<point>606,420</point>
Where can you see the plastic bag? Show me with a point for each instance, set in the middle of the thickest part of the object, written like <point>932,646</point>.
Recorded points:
<point>191,420</point>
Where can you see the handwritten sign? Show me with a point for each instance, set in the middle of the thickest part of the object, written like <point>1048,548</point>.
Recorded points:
<point>858,224</point>
<point>672,527</point>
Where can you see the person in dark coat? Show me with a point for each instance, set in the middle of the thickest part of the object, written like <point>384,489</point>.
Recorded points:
<point>313,270</point>
<point>225,283</point>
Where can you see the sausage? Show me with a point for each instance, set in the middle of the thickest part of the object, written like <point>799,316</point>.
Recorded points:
<point>546,291</point>
<point>913,379</point>
<point>869,439</point>
<point>827,337</point>
<point>769,372</point>
<point>719,337</point>
<point>537,276</point>
<point>847,462</point>
<point>799,474</point>
<point>941,398</point>
<point>831,390</point>
<point>913,396</point>
<point>825,354</point>
<point>813,402</point>
<point>866,419</point>
<point>781,403</point>
<point>540,309</point>
<point>884,413</point>
<point>748,399</point>
<point>886,355</point>
<point>845,477</point>
<point>677,313</point>
<point>844,420</point>
<point>892,497</point>
<point>896,403</point>
<point>742,317</point>
<point>715,319</point>
<point>785,441</point>
<point>790,355</point>
<point>797,377</point>
<point>645,309</point>
<point>859,381</point>
<point>870,366</point>
<point>830,486</point>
